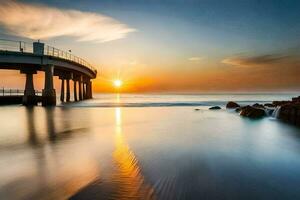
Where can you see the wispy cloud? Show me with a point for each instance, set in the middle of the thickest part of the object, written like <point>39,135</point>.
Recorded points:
<point>43,22</point>
<point>133,63</point>
<point>195,59</point>
<point>255,60</point>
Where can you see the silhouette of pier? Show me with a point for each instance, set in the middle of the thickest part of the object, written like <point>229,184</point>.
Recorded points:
<point>15,96</point>
<point>29,58</point>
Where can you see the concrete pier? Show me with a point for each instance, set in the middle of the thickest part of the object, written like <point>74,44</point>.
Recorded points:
<point>7,100</point>
<point>29,97</point>
<point>84,90</point>
<point>49,95</point>
<point>88,90</point>
<point>75,90</point>
<point>62,90</point>
<point>91,90</point>
<point>53,62</point>
<point>68,90</point>
<point>65,77</point>
<point>80,89</point>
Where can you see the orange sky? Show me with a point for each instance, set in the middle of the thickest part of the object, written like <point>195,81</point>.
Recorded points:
<point>235,75</point>
<point>277,75</point>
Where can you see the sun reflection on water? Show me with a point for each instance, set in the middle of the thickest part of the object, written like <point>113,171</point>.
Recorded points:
<point>128,175</point>
<point>118,98</point>
<point>118,119</point>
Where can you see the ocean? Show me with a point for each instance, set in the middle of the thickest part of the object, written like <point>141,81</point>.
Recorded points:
<point>126,146</point>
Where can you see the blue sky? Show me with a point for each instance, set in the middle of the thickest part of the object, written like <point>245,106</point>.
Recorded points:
<point>229,25</point>
<point>270,21</point>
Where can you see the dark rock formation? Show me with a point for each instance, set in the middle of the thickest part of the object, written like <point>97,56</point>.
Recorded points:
<point>197,109</point>
<point>269,105</point>
<point>257,105</point>
<point>252,112</point>
<point>232,105</point>
<point>239,109</point>
<point>290,112</point>
<point>215,108</point>
<point>280,103</point>
<point>296,99</point>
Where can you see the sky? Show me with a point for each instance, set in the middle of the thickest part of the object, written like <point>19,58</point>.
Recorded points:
<point>168,45</point>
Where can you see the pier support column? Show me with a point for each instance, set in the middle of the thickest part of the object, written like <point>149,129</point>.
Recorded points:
<point>75,90</point>
<point>65,76</point>
<point>84,90</point>
<point>91,90</point>
<point>80,88</point>
<point>68,90</point>
<point>62,91</point>
<point>88,90</point>
<point>49,95</point>
<point>29,97</point>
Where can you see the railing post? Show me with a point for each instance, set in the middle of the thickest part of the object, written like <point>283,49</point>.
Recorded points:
<point>20,46</point>
<point>24,47</point>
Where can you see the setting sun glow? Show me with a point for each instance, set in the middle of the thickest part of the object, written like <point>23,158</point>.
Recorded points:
<point>118,83</point>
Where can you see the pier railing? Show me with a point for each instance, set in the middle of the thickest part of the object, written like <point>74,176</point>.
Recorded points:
<point>26,47</point>
<point>15,46</point>
<point>16,92</point>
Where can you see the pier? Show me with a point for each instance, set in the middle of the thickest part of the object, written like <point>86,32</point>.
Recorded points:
<point>29,58</point>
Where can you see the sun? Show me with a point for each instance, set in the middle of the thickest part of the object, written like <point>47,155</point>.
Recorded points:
<point>118,83</point>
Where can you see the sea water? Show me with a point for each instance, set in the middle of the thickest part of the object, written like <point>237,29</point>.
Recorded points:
<point>147,147</point>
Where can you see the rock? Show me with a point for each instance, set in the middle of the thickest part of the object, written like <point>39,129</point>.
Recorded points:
<point>252,112</point>
<point>215,108</point>
<point>280,103</point>
<point>257,105</point>
<point>290,113</point>
<point>239,109</point>
<point>269,105</point>
<point>197,109</point>
<point>296,99</point>
<point>232,105</point>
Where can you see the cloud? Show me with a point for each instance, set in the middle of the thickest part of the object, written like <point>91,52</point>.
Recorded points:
<point>268,59</point>
<point>195,59</point>
<point>43,22</point>
<point>133,63</point>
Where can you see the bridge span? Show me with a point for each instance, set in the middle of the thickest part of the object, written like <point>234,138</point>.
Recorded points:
<point>29,58</point>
